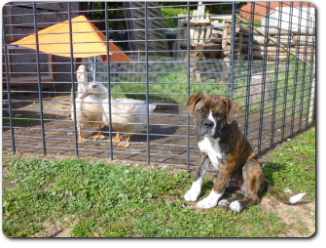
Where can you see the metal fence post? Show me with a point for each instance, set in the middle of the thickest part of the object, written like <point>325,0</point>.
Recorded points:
<point>72,79</point>
<point>303,79</point>
<point>277,64</point>
<point>188,81</point>
<point>231,78</point>
<point>296,71</point>
<point>310,76</point>
<point>249,69</point>
<point>39,77</point>
<point>147,100</point>
<point>8,82</point>
<point>262,102</point>
<point>108,76</point>
<point>287,70</point>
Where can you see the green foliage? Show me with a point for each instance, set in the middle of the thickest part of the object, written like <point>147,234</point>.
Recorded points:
<point>100,15</point>
<point>166,12</point>
<point>211,8</point>
<point>173,12</point>
<point>257,23</point>
<point>17,121</point>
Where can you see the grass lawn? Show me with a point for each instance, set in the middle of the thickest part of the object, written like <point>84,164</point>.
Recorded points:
<point>28,118</point>
<point>83,198</point>
<point>166,82</point>
<point>294,83</point>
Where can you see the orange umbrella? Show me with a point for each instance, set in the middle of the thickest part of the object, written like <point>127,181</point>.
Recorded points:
<point>82,31</point>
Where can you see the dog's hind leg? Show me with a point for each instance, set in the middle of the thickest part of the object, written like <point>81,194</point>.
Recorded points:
<point>226,202</point>
<point>195,189</point>
<point>253,179</point>
<point>235,191</point>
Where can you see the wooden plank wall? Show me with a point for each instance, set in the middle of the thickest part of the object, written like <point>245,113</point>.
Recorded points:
<point>135,20</point>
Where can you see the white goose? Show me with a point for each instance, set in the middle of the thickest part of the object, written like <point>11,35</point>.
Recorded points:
<point>124,111</point>
<point>88,103</point>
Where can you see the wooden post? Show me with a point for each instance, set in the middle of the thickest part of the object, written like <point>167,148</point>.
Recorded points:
<point>239,47</point>
<point>226,32</point>
<point>180,34</point>
<point>272,40</point>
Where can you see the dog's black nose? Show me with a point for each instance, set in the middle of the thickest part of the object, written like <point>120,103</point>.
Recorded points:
<point>208,124</point>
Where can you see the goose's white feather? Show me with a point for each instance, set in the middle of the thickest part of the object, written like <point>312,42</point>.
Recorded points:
<point>87,109</point>
<point>124,112</point>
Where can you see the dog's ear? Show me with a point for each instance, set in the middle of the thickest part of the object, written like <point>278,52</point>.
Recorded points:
<point>232,109</point>
<point>192,101</point>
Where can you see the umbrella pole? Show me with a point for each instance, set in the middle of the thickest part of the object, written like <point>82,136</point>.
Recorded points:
<point>138,74</point>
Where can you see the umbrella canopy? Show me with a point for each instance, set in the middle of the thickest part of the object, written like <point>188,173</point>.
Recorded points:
<point>82,31</point>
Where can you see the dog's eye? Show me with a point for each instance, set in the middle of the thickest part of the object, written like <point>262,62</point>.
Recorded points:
<point>219,115</point>
<point>200,111</point>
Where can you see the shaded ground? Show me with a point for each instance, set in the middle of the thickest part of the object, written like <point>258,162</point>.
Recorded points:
<point>167,132</point>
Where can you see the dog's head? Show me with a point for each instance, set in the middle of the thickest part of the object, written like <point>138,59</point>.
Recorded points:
<point>211,113</point>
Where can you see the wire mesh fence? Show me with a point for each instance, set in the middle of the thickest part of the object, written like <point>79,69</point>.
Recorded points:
<point>65,94</point>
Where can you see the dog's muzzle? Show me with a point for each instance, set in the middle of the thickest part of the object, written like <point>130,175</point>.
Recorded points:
<point>208,124</point>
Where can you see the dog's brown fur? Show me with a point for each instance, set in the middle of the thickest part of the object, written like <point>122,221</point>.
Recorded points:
<point>239,169</point>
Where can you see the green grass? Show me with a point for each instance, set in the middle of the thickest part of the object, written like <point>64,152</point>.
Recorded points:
<point>114,200</point>
<point>257,23</point>
<point>156,91</point>
<point>285,83</point>
<point>174,12</point>
<point>17,122</point>
<point>293,166</point>
<point>166,82</point>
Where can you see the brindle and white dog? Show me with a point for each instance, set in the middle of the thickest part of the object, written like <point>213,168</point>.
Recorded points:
<point>221,143</point>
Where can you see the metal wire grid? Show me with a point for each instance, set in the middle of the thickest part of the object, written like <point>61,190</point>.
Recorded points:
<point>167,142</point>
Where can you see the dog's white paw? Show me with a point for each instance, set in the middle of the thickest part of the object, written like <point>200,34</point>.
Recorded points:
<point>223,203</point>
<point>236,206</point>
<point>210,201</point>
<point>207,203</point>
<point>192,195</point>
<point>194,192</point>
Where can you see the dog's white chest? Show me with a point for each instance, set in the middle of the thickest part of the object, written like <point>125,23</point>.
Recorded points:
<point>212,148</point>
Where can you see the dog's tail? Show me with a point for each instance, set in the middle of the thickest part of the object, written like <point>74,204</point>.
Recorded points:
<point>284,199</point>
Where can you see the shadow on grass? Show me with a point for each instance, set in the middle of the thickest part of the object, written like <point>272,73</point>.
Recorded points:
<point>263,152</point>
<point>270,173</point>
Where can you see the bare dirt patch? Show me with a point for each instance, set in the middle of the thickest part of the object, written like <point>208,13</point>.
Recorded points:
<point>298,215</point>
<point>58,229</point>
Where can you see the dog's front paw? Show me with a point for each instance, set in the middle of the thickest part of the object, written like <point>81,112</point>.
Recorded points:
<point>210,201</point>
<point>192,195</point>
<point>236,206</point>
<point>207,203</point>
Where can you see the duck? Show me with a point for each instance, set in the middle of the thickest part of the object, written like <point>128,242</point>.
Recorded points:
<point>90,106</point>
<point>123,112</point>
